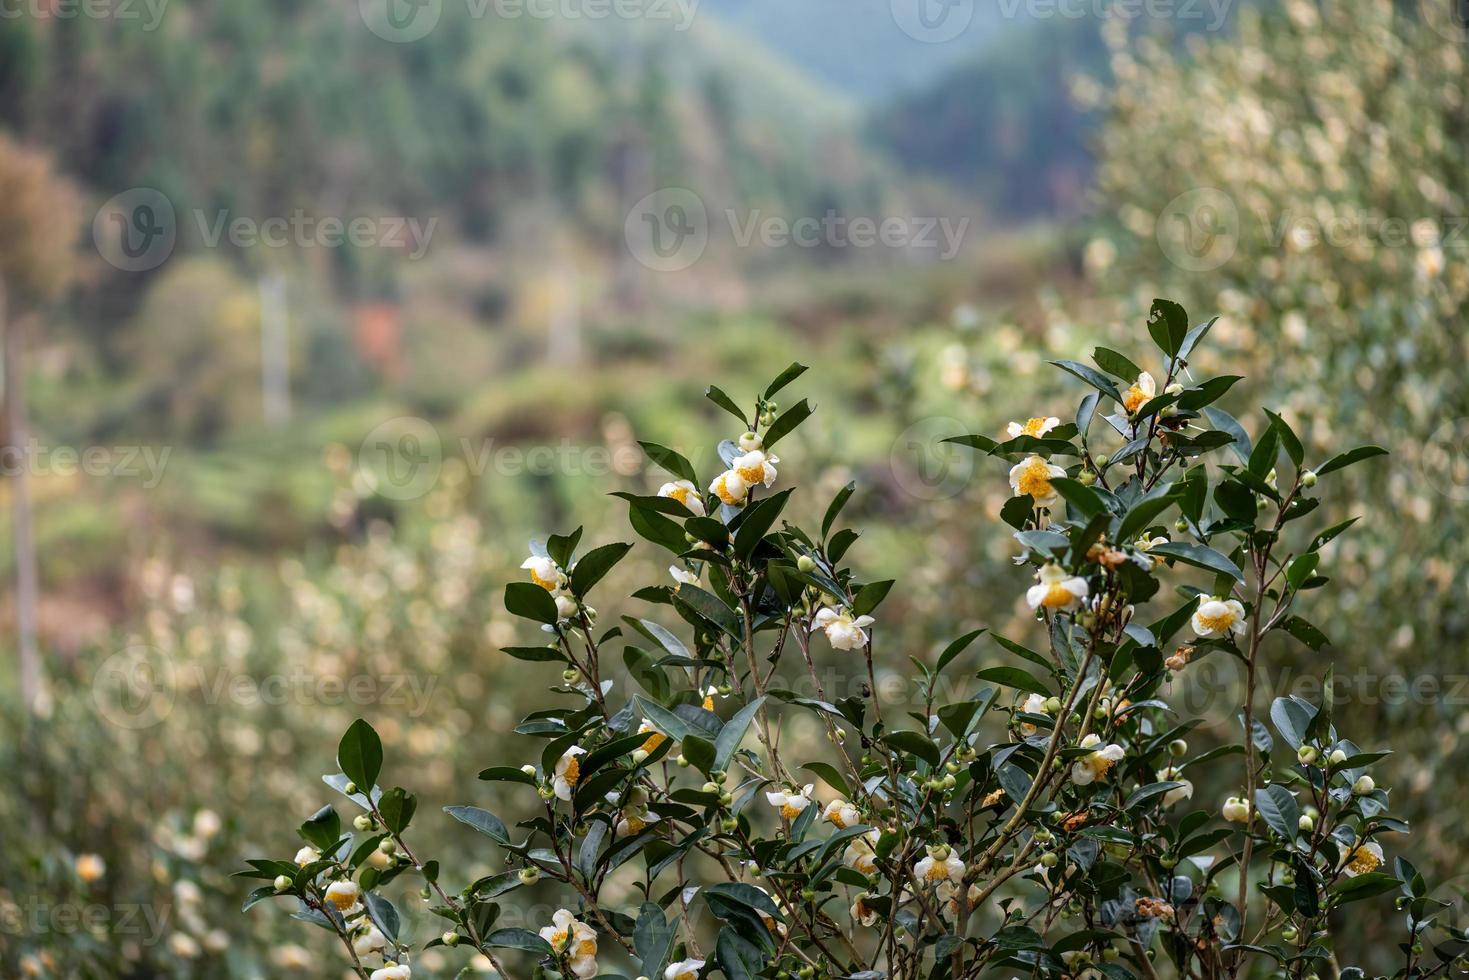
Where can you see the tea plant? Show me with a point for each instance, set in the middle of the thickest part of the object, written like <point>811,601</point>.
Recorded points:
<point>1045,823</point>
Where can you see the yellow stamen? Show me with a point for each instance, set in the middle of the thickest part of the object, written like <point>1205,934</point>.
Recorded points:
<point>558,938</point>
<point>1035,479</point>
<point>587,947</point>
<point>1058,596</point>
<point>1217,624</point>
<point>653,741</point>
<point>1033,427</point>
<point>789,811</point>
<point>573,770</point>
<point>1362,861</point>
<point>549,586</point>
<point>1134,398</point>
<point>722,491</point>
<point>681,494</point>
<point>752,474</point>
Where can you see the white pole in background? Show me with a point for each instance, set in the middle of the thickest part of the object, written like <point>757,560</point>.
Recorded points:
<point>275,357</point>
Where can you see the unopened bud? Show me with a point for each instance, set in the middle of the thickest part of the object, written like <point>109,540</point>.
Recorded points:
<point>451,939</point>
<point>1305,824</point>
<point>1337,757</point>
<point>362,822</point>
<point>806,563</point>
<point>1363,785</point>
<point>1177,747</point>
<point>529,876</point>
<point>282,884</point>
<point>1306,755</point>
<point>1308,479</point>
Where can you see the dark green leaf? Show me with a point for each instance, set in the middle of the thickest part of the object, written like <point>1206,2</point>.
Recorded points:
<point>530,601</point>
<point>594,565</point>
<point>781,380</point>
<point>1348,458</point>
<point>787,422</point>
<point>727,403</point>
<point>360,755</point>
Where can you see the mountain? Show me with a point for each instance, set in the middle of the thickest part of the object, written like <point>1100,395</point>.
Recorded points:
<point>859,47</point>
<point>1002,125</point>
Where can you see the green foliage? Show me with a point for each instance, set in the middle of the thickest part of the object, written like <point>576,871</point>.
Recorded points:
<point>1305,177</point>
<point>1041,830</point>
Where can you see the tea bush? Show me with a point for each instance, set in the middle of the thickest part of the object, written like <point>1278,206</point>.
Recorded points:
<point>1045,822</point>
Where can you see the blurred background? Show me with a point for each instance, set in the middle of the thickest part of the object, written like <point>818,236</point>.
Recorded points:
<point>316,310</point>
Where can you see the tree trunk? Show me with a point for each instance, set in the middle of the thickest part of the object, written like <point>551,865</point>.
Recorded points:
<point>26,590</point>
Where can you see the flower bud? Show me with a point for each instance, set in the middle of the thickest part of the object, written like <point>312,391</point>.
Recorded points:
<point>362,822</point>
<point>1338,757</point>
<point>1289,934</point>
<point>451,938</point>
<point>1111,954</point>
<point>350,789</point>
<point>569,675</point>
<point>1363,786</point>
<point>1086,478</point>
<point>682,761</point>
<point>1306,824</point>
<point>1308,479</point>
<point>1306,755</point>
<point>725,799</point>
<point>749,442</point>
<point>529,876</point>
<point>711,787</point>
<point>1049,859</point>
<point>950,782</point>
<point>806,563</point>
<point>1177,748</point>
<point>282,884</point>
<point>388,846</point>
<point>1052,705</point>
<point>1101,459</point>
<point>1181,526</point>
